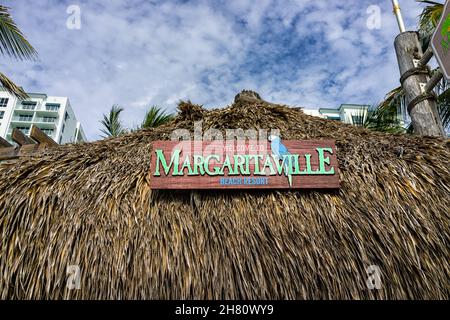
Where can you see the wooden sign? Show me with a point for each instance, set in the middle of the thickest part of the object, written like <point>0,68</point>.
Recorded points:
<point>440,42</point>
<point>306,164</point>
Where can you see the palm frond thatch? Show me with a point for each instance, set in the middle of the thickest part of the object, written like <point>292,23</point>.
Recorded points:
<point>90,205</point>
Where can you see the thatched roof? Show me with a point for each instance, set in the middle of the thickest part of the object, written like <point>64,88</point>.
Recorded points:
<point>90,205</point>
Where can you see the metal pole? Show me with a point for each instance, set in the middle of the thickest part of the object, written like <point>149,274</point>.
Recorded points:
<point>398,15</point>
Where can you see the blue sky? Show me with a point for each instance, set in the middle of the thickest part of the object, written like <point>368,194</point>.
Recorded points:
<point>134,53</point>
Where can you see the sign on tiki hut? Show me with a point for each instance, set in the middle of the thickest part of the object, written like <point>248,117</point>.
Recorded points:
<point>219,164</point>
<point>440,42</point>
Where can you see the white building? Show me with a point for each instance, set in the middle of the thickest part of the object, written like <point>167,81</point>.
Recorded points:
<point>354,114</point>
<point>53,115</point>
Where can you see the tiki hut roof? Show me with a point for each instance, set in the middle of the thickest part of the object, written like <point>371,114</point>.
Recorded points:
<point>90,205</point>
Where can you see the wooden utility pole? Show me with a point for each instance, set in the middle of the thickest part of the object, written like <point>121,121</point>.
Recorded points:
<point>422,107</point>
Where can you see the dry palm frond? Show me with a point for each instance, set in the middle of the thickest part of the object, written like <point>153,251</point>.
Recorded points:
<point>391,101</point>
<point>11,87</point>
<point>90,205</point>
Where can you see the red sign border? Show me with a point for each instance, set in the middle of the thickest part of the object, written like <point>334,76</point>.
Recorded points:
<point>309,182</point>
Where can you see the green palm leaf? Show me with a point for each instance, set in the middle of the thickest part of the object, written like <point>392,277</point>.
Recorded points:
<point>428,20</point>
<point>12,40</point>
<point>379,118</point>
<point>444,109</point>
<point>155,117</point>
<point>111,123</point>
<point>13,44</point>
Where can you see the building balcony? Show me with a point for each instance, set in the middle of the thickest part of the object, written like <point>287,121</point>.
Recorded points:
<point>48,132</point>
<point>25,108</point>
<point>24,130</point>
<point>46,120</point>
<point>21,119</point>
<point>46,111</point>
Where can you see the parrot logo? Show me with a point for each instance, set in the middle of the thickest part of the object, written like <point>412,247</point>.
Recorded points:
<point>278,151</point>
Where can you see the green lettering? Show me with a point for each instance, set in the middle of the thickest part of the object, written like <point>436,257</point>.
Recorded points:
<point>187,164</point>
<point>198,165</point>
<point>296,169</point>
<point>281,165</point>
<point>206,163</point>
<point>239,162</point>
<point>227,164</point>
<point>308,169</point>
<point>256,159</point>
<point>324,160</point>
<point>174,161</point>
<point>268,164</point>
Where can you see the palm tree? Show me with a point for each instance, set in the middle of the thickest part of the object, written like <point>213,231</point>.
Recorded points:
<point>155,117</point>
<point>428,20</point>
<point>379,119</point>
<point>395,99</point>
<point>443,90</point>
<point>13,44</point>
<point>111,122</point>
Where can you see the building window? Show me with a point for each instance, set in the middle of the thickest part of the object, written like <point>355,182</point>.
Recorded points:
<point>25,117</point>
<point>2,114</point>
<point>25,130</point>
<point>63,127</point>
<point>3,102</point>
<point>66,116</point>
<point>357,120</point>
<point>28,105</point>
<point>60,139</point>
<point>48,132</point>
<point>333,118</point>
<point>52,106</point>
<point>48,119</point>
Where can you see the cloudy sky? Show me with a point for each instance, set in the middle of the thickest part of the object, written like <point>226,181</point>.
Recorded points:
<point>308,53</point>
